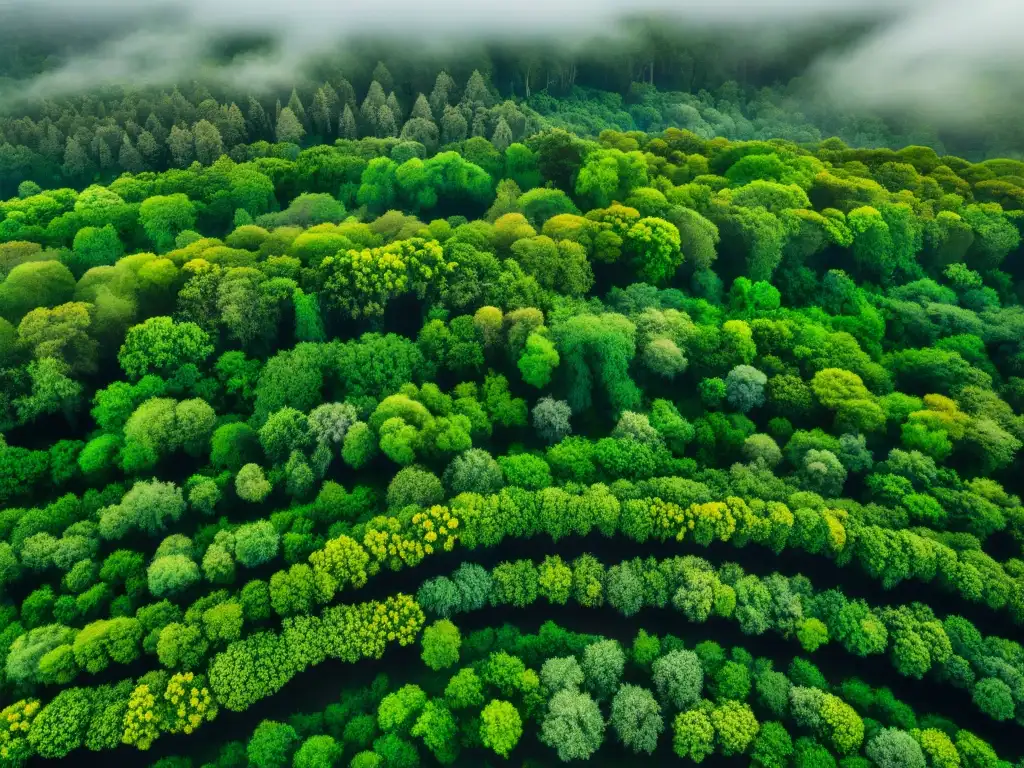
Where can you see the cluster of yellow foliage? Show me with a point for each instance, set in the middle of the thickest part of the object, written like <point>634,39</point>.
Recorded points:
<point>15,721</point>
<point>190,703</point>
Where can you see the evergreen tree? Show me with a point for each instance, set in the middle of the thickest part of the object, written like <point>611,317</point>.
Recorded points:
<point>383,76</point>
<point>477,94</point>
<point>256,122</point>
<point>295,105</point>
<point>502,136</point>
<point>321,114</point>
<point>441,96</point>
<point>208,143</point>
<point>234,126</point>
<point>386,125</point>
<point>289,129</point>
<point>347,127</point>
<point>395,107</point>
<point>453,126</point>
<point>181,142</point>
<point>421,109</point>
<point>129,158</point>
<point>369,112</point>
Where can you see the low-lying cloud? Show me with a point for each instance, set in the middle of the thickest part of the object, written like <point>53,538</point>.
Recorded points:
<point>954,63</point>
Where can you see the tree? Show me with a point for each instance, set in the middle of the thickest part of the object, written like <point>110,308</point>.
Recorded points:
<point>558,674</point>
<point>251,484</point>
<point>271,745</point>
<point>160,345</point>
<point>317,752</point>
<point>163,217</point>
<point>679,679</point>
<point>439,730</point>
<point>500,727</point>
<point>208,142</point>
<point>441,642</point>
<point>172,574</point>
<point>150,506</point>
<point>603,664</point>
<point>573,725</point>
<point>61,725</point>
<point>772,747</point>
<point>414,485</point>
<point>289,129</point>
<point>993,697</point>
<point>693,735</point>
<point>473,471</point>
<point>655,248</point>
<point>256,543</point>
<point>35,284</point>
<point>636,718</point>
<point>744,388</point>
<point>735,727</point>
<point>464,690</point>
<point>502,136</point>
<point>181,646</point>
<point>608,343</point>
<point>892,747</point>
<point>823,473</point>
<point>96,247</point>
<point>397,711</point>
<point>551,419</point>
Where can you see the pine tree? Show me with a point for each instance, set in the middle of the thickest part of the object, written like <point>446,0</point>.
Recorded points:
<point>347,126</point>
<point>104,154</point>
<point>289,129</point>
<point>422,109</point>
<point>374,100</point>
<point>76,160</point>
<point>347,94</point>
<point>395,107</point>
<point>333,103</point>
<point>295,105</point>
<point>386,125</point>
<point>51,145</point>
<point>234,126</point>
<point>477,93</point>
<point>321,114</point>
<point>209,145</point>
<point>441,96</point>
<point>502,137</point>
<point>480,122</point>
<point>184,112</point>
<point>453,126</point>
<point>383,76</point>
<point>156,129</point>
<point>208,110</point>
<point>182,145</point>
<point>150,150</point>
<point>256,121</point>
<point>129,158</point>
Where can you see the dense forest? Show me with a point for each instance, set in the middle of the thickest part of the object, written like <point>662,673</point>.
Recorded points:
<point>515,413</point>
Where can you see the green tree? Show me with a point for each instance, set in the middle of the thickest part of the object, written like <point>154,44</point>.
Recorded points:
<point>163,217</point>
<point>693,735</point>
<point>271,745</point>
<point>162,346</point>
<point>500,727</point>
<point>441,643</point>
<point>636,718</point>
<point>573,726</point>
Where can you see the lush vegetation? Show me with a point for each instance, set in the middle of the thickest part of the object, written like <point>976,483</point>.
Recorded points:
<point>292,389</point>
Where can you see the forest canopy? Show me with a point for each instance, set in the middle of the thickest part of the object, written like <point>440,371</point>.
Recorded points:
<point>512,406</point>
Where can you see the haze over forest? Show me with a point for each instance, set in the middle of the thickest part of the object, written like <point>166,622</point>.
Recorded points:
<point>946,62</point>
